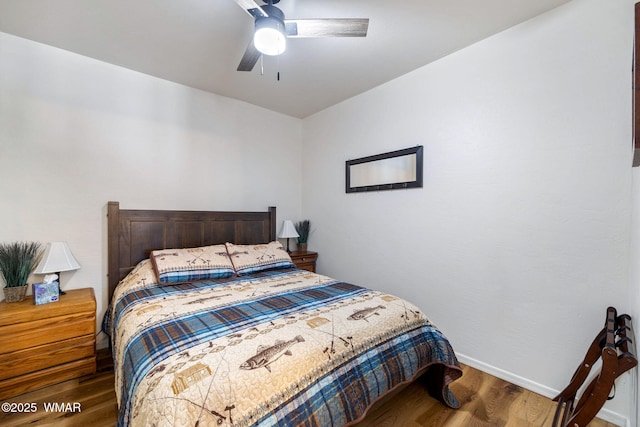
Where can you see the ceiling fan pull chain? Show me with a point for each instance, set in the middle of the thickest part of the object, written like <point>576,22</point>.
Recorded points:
<point>262,65</point>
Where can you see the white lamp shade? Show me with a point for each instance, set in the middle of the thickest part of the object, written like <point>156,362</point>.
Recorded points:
<point>57,257</point>
<point>288,230</point>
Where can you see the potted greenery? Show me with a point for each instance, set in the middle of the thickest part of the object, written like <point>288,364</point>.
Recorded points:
<point>303,227</point>
<point>17,261</point>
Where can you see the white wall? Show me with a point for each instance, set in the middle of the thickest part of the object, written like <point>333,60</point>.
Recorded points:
<point>76,133</point>
<point>514,247</point>
<point>519,239</point>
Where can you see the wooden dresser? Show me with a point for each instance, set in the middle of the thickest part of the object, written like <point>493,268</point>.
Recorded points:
<point>304,260</point>
<point>46,344</point>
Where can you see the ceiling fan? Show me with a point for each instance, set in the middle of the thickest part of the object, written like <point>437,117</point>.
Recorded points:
<point>272,30</point>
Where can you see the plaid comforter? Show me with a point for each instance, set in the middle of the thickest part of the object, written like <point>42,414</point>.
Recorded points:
<point>277,348</point>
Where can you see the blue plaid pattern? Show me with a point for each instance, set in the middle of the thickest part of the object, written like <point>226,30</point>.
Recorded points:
<point>344,395</point>
<point>338,397</point>
<point>195,275</point>
<point>266,266</point>
<point>154,291</point>
<point>154,344</point>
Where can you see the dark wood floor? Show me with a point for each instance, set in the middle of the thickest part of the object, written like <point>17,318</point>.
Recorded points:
<point>486,401</point>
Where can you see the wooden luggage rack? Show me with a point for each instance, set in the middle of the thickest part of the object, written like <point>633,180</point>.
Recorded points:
<point>614,346</point>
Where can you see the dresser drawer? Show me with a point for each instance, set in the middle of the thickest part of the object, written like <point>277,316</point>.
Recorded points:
<point>46,344</point>
<point>31,334</point>
<point>306,265</point>
<point>33,359</point>
<point>305,260</point>
<point>45,377</point>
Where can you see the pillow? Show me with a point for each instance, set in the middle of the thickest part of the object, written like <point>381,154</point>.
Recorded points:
<point>192,264</point>
<point>249,259</point>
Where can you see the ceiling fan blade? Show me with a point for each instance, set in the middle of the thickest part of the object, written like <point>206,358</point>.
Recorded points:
<point>337,27</point>
<point>250,57</point>
<point>251,7</point>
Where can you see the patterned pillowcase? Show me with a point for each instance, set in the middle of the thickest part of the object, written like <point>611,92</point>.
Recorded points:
<point>192,264</point>
<point>248,259</point>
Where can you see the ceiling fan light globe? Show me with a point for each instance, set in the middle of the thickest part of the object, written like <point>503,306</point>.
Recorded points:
<point>269,37</point>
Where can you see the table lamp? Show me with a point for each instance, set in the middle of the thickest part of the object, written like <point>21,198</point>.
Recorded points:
<point>288,231</point>
<point>57,257</point>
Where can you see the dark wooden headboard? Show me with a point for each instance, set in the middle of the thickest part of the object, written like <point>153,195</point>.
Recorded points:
<point>133,234</point>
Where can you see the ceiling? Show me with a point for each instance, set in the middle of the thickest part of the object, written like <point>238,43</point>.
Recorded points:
<point>199,43</point>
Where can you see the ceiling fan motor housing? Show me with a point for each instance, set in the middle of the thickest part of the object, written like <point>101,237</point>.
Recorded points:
<point>273,11</point>
<point>270,36</point>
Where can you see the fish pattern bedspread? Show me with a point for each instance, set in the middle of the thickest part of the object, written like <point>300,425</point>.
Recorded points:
<point>282,347</point>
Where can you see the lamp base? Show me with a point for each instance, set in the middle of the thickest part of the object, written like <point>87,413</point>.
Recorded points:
<point>60,291</point>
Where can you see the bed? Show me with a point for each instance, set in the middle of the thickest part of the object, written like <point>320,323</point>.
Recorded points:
<point>250,339</point>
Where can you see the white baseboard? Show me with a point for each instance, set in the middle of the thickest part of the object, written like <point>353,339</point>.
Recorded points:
<point>604,414</point>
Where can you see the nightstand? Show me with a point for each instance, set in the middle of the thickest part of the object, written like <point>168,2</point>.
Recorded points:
<point>304,260</point>
<point>46,344</point>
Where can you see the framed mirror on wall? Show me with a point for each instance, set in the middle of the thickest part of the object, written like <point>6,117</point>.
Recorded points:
<point>394,170</point>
